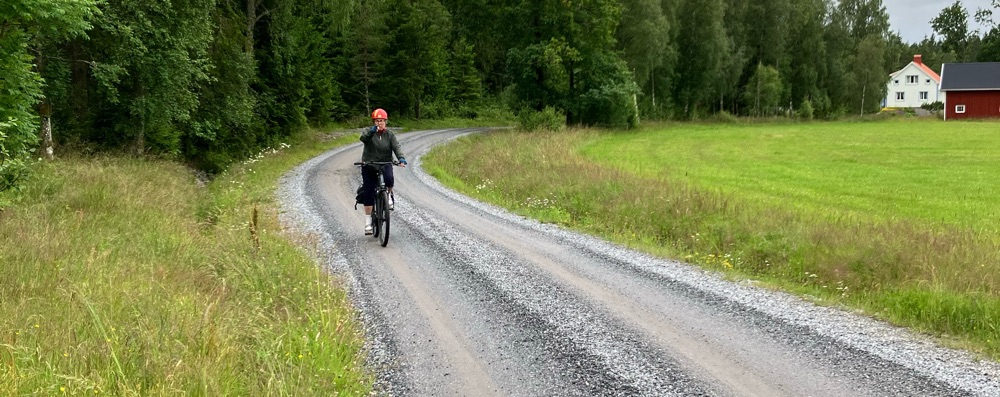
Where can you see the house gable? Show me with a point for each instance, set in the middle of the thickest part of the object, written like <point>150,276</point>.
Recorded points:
<point>913,86</point>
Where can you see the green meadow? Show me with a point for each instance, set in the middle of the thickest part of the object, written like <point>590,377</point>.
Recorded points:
<point>896,218</point>
<point>130,277</point>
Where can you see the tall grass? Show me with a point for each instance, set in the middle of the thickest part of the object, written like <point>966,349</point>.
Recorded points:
<point>729,198</point>
<point>122,276</point>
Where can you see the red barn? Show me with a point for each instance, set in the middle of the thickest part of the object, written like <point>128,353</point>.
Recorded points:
<point>972,90</point>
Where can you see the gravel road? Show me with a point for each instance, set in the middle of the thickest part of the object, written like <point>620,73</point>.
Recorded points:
<point>470,300</point>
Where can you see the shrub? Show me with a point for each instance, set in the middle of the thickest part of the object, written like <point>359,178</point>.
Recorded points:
<point>724,117</point>
<point>13,156</point>
<point>806,110</point>
<point>933,106</point>
<point>549,119</point>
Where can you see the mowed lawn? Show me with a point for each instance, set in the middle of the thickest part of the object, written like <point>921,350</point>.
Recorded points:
<point>897,217</point>
<point>926,171</point>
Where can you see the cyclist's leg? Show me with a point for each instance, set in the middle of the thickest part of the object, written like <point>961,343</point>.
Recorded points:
<point>389,182</point>
<point>369,179</point>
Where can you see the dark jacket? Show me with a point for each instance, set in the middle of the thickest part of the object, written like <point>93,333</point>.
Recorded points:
<point>380,146</point>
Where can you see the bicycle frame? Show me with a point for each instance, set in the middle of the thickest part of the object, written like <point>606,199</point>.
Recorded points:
<point>380,210</point>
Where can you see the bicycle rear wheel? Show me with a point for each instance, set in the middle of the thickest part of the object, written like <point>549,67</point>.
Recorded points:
<point>383,200</point>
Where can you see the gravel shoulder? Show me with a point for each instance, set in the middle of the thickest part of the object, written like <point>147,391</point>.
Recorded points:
<point>469,299</point>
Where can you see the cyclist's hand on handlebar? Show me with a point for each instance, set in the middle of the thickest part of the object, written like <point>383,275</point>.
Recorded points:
<point>402,162</point>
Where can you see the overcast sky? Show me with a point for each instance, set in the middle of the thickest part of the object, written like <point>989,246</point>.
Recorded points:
<point>912,18</point>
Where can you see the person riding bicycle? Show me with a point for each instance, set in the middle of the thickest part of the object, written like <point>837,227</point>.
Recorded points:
<point>379,145</point>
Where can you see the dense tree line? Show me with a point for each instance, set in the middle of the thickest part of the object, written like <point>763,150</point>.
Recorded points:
<point>211,81</point>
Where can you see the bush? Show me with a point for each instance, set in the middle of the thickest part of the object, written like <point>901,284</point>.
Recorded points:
<point>724,117</point>
<point>13,157</point>
<point>549,119</point>
<point>806,110</point>
<point>933,106</point>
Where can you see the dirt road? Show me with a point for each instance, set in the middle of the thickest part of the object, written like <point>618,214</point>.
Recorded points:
<point>469,300</point>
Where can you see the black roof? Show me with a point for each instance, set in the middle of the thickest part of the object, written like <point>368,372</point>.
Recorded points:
<point>970,76</point>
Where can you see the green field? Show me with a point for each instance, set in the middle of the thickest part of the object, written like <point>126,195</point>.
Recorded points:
<point>924,171</point>
<point>893,217</point>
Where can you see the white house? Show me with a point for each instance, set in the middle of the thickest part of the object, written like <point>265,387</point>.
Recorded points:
<point>913,85</point>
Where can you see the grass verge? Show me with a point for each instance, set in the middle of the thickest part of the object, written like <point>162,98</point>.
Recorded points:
<point>730,199</point>
<point>123,276</point>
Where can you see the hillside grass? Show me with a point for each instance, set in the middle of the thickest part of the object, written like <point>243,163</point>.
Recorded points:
<point>896,218</point>
<point>123,276</point>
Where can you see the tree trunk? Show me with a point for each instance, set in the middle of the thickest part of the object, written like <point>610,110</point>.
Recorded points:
<point>863,88</point>
<point>45,112</point>
<point>251,21</point>
<point>635,104</point>
<point>46,130</point>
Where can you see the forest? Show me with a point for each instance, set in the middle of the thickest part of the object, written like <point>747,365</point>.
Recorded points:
<point>210,82</point>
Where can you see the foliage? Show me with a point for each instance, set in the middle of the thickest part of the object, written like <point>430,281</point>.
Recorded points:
<point>868,76</point>
<point>609,97</point>
<point>953,26</point>
<point>701,48</point>
<point>933,106</point>
<point>806,111</point>
<point>210,82</point>
<point>989,51</point>
<point>548,119</point>
<point>24,25</point>
<point>762,93</point>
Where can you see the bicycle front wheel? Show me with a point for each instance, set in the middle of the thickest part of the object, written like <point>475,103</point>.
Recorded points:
<point>376,223</point>
<point>383,209</point>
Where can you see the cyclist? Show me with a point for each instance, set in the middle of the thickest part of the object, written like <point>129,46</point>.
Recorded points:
<point>379,145</point>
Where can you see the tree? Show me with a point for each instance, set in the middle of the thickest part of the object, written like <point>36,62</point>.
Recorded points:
<point>762,94</point>
<point>417,61</point>
<point>643,37</point>
<point>25,26</point>
<point>767,30</point>
<point>465,82</point>
<point>364,44</point>
<point>862,18</point>
<point>702,44</point>
<point>807,53</point>
<point>990,50</point>
<point>869,75</point>
<point>953,26</point>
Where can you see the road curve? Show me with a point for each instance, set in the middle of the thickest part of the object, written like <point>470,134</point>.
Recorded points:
<point>470,300</point>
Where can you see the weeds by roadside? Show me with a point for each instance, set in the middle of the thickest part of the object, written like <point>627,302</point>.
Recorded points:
<point>122,276</point>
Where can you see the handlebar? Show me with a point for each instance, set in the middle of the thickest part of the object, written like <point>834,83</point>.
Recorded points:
<point>363,163</point>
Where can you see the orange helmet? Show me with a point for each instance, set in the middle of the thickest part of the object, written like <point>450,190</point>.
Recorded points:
<point>380,114</point>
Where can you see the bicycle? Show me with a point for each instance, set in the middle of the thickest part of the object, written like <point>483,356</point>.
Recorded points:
<point>380,211</point>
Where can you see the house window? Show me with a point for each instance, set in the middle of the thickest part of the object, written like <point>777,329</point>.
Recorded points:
<point>896,82</point>
<point>900,96</point>
<point>928,81</point>
<point>959,108</point>
<point>923,95</point>
<point>912,79</point>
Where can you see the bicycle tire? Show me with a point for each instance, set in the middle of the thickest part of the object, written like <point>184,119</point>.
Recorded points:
<point>384,215</point>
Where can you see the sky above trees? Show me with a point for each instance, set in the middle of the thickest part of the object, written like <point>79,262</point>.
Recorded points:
<point>912,18</point>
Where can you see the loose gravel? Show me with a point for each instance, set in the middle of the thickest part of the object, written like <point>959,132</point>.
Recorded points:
<point>572,341</point>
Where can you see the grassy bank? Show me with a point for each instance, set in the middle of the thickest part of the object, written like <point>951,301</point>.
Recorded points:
<point>123,276</point>
<point>895,218</point>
